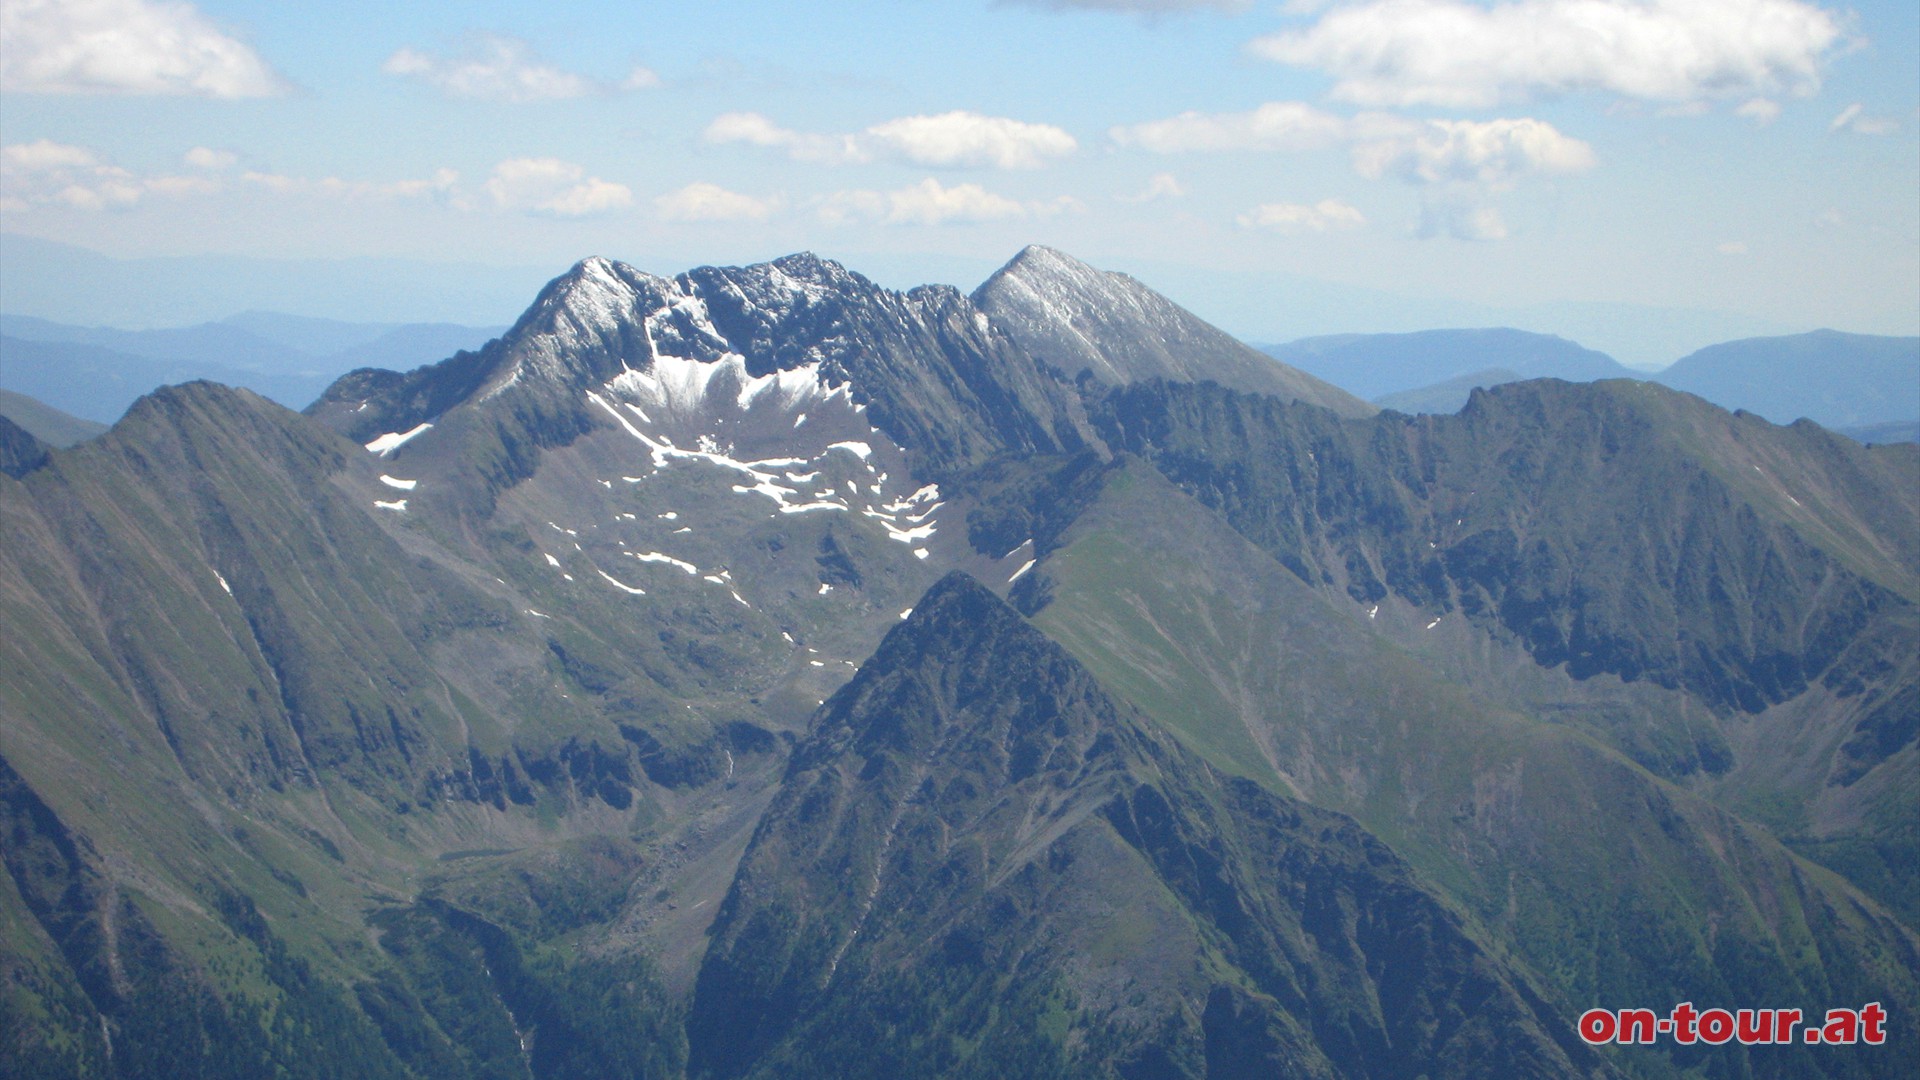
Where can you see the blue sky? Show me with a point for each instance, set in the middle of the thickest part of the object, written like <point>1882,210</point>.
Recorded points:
<point>1385,160</point>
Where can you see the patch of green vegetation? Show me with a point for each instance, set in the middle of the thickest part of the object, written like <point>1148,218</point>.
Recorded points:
<point>1140,638</point>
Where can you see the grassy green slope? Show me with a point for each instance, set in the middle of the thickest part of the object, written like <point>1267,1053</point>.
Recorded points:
<point>1613,885</point>
<point>1728,602</point>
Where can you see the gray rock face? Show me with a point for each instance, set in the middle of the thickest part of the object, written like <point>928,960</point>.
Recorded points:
<point>1076,318</point>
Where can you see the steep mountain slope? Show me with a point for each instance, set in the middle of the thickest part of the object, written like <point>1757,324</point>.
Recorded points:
<point>1374,366</point>
<point>20,451</point>
<point>1615,531</point>
<point>1563,849</point>
<point>1836,379</point>
<point>973,833</point>
<point>493,719</point>
<point>1075,318</point>
<point>553,638</point>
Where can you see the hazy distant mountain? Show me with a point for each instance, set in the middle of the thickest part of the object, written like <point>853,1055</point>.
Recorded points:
<point>75,285</point>
<point>1376,365</point>
<point>46,423</point>
<point>96,372</point>
<point>1448,396</point>
<point>758,672</point>
<point>1893,432</point>
<point>97,383</point>
<point>1836,379</point>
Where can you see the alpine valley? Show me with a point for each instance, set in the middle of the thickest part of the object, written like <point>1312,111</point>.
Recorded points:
<point>761,673</point>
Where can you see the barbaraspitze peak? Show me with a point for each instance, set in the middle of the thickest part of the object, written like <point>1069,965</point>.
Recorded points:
<point>758,672</point>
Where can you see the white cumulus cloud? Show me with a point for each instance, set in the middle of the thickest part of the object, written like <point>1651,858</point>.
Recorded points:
<point>202,157</point>
<point>125,47</point>
<point>1462,220</point>
<point>1277,125</point>
<point>1458,164</point>
<point>1159,186</point>
<point>442,184</point>
<point>1323,216</point>
<point>711,202</point>
<point>969,140</point>
<point>754,129</point>
<point>925,203</point>
<point>1453,54</point>
<point>497,68</point>
<point>1492,153</point>
<point>1139,7</point>
<point>1761,111</point>
<point>956,139</point>
<point>50,174</point>
<point>552,186</point>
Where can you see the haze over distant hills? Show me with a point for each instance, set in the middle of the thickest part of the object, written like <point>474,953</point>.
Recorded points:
<point>96,372</point>
<point>1846,382</point>
<point>1840,380</point>
<point>1375,365</point>
<point>78,286</point>
<point>762,673</point>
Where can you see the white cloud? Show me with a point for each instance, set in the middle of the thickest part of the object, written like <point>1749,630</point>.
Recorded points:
<point>1492,153</point>
<point>1453,54</point>
<point>47,173</point>
<point>46,156</point>
<point>125,47</point>
<point>552,186</point>
<point>711,202</point>
<point>1159,186</point>
<point>592,196</point>
<point>756,130</point>
<point>1732,247</point>
<point>1459,163</point>
<point>640,78</point>
<point>1854,118</point>
<point>1139,7</point>
<point>1462,220</point>
<point>493,68</point>
<point>969,140</point>
<point>927,203</point>
<point>1323,216</point>
<point>201,157</point>
<point>1277,125</point>
<point>950,140</point>
<point>443,184</point>
<point>1762,111</point>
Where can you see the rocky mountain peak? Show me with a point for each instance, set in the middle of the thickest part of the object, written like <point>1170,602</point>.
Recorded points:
<point>1080,319</point>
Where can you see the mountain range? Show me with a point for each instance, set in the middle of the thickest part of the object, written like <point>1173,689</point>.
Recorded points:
<point>759,672</point>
